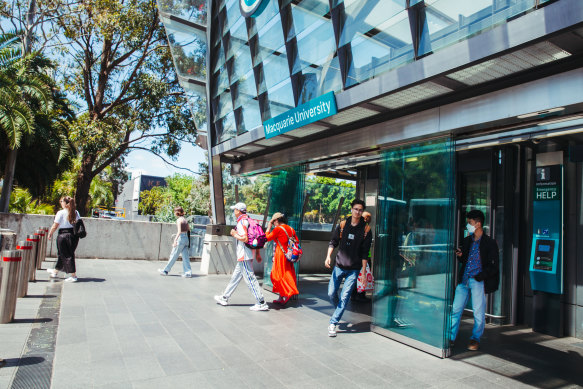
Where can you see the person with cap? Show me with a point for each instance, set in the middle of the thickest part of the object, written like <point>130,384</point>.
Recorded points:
<point>244,268</point>
<point>283,275</point>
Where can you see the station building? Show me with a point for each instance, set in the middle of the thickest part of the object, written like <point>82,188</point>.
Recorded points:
<point>430,108</point>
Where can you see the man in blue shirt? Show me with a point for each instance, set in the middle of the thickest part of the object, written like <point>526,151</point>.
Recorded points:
<point>479,275</point>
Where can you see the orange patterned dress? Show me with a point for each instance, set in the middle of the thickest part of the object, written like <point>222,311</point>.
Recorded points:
<point>283,274</point>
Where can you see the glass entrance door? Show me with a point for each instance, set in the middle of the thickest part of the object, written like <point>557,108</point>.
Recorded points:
<point>414,246</point>
<point>286,196</point>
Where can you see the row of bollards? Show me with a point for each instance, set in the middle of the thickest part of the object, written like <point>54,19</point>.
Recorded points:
<point>19,262</point>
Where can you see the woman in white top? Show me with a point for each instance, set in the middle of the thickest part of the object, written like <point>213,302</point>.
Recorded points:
<point>181,245</point>
<point>66,241</point>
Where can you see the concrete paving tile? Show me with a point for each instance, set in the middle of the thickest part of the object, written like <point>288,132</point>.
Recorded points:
<point>5,381</point>
<point>189,380</point>
<point>143,367</point>
<point>131,346</point>
<point>479,382</point>
<point>232,356</point>
<point>175,363</point>
<point>108,371</point>
<point>224,379</point>
<point>100,352</point>
<point>256,376</point>
<point>152,329</point>
<point>78,376</point>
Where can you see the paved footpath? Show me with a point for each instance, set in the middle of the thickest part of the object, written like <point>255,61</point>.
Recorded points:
<point>125,326</point>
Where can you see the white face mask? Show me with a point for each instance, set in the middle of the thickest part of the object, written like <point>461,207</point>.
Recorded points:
<point>471,229</point>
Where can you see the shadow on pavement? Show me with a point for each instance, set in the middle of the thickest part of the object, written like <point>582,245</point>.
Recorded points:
<point>90,279</point>
<point>26,361</point>
<point>40,296</point>
<point>531,358</point>
<point>35,320</point>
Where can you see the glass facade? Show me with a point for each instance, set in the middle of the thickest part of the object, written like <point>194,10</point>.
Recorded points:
<point>413,249</point>
<point>296,51</point>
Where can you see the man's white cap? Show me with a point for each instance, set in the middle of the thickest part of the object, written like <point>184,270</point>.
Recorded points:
<point>240,206</point>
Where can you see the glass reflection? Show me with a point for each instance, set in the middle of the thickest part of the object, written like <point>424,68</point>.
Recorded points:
<point>281,98</point>
<point>193,10</point>
<point>189,53</point>
<point>325,194</point>
<point>197,102</point>
<point>251,116</point>
<point>413,249</point>
<point>448,21</point>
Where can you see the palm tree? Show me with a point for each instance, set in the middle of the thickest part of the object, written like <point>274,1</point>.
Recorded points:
<point>25,89</point>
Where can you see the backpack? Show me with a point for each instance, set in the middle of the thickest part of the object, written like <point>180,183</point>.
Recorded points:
<point>343,223</point>
<point>79,229</point>
<point>256,238</point>
<point>294,252</point>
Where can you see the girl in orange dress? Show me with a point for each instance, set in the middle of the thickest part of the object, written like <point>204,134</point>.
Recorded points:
<point>283,274</point>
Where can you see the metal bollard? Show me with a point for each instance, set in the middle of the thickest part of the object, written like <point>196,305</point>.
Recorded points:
<point>7,240</point>
<point>46,242</point>
<point>10,263</point>
<point>24,272</point>
<point>39,250</point>
<point>32,239</point>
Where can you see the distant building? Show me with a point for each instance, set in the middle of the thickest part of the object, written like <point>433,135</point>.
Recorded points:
<point>129,197</point>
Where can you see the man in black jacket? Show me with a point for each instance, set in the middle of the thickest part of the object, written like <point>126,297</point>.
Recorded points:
<point>479,275</point>
<point>354,239</point>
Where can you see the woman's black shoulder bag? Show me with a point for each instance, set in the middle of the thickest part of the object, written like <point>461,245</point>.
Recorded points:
<point>79,229</point>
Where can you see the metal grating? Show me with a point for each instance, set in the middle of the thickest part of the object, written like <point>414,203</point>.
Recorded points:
<point>527,58</point>
<point>412,95</point>
<point>272,141</point>
<point>35,367</point>
<point>350,115</point>
<point>248,149</point>
<point>307,130</point>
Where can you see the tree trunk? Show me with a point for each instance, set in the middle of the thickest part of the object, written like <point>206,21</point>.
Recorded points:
<point>84,179</point>
<point>8,178</point>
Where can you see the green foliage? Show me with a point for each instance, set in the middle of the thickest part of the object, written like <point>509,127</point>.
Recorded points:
<point>190,193</point>
<point>21,201</point>
<point>153,199</point>
<point>325,194</point>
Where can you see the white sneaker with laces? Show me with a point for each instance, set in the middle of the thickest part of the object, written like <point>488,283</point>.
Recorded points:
<point>221,300</point>
<point>332,330</point>
<point>260,307</point>
<point>71,279</point>
<point>187,275</point>
<point>162,272</point>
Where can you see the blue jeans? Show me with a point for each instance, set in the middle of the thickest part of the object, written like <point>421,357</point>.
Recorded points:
<point>349,277</point>
<point>181,247</point>
<point>462,293</point>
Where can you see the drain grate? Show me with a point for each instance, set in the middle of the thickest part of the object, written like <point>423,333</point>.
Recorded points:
<point>36,364</point>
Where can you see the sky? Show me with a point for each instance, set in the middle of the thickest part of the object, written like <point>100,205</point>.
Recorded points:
<point>151,165</point>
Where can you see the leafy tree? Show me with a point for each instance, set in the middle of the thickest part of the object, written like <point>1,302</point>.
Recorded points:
<point>325,194</point>
<point>153,199</point>
<point>21,201</point>
<point>117,64</point>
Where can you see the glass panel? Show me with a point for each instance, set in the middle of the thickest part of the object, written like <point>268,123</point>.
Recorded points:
<point>286,194</point>
<point>233,17</point>
<point>315,7</point>
<point>242,65</point>
<point>281,98</point>
<point>251,115</point>
<point>449,21</point>
<point>193,10</point>
<point>380,38</point>
<point>224,105</point>
<point>414,244</point>
<point>227,126</point>
<point>476,187</point>
<point>325,194</point>
<point>315,40</point>
<point>189,53</point>
<point>197,102</point>
<point>221,82</point>
<point>238,38</point>
<point>267,19</point>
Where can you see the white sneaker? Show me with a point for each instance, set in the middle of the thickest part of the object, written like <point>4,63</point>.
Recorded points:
<point>71,279</point>
<point>260,307</point>
<point>332,330</point>
<point>53,273</point>
<point>162,272</point>
<point>187,275</point>
<point>221,300</point>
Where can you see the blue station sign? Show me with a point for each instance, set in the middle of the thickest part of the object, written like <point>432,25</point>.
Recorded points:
<point>252,8</point>
<point>310,112</point>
